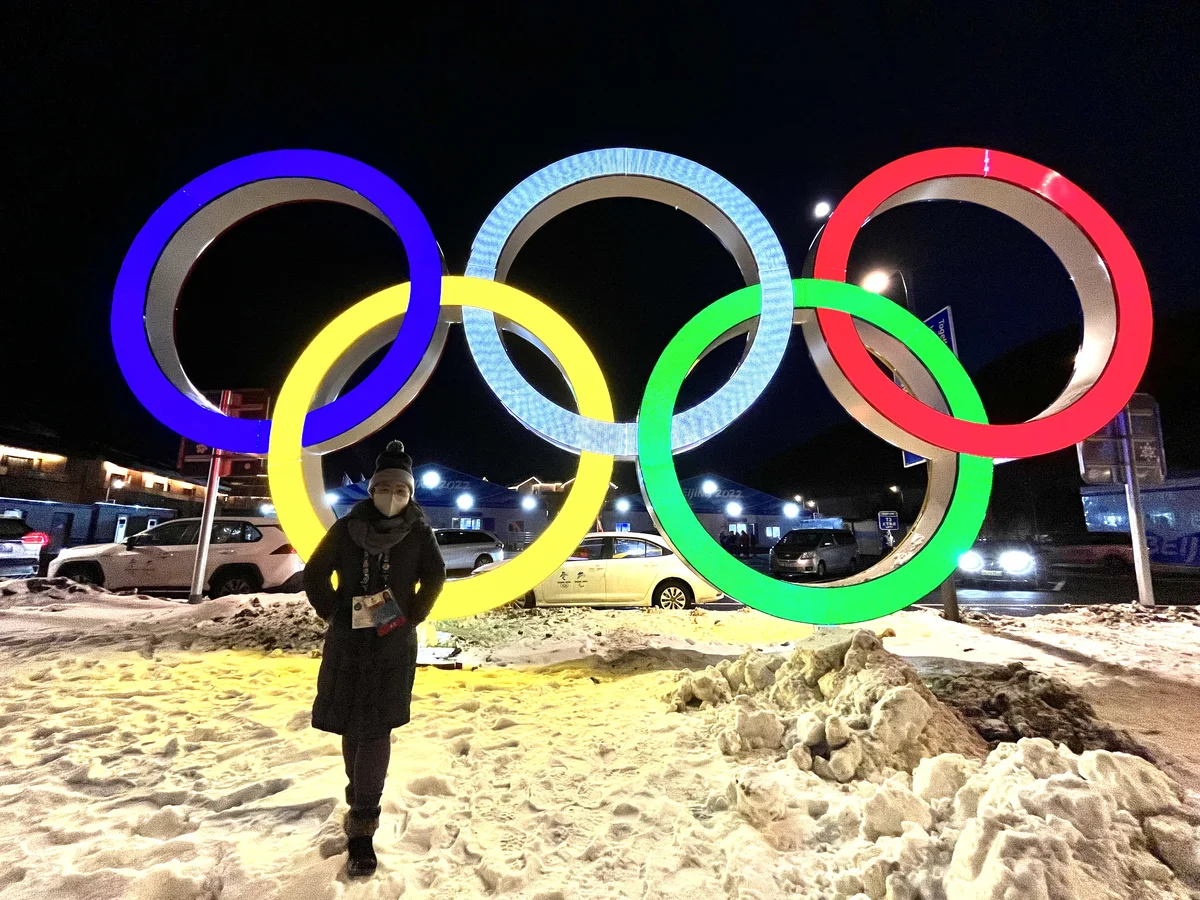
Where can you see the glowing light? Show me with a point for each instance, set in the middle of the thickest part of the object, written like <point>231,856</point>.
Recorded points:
<point>822,209</point>
<point>172,399</point>
<point>876,282</point>
<point>623,505</point>
<point>1123,341</point>
<point>118,484</point>
<point>858,600</point>
<point>970,561</point>
<point>295,472</point>
<point>733,508</point>
<point>811,504</point>
<point>1016,562</point>
<point>267,509</point>
<point>431,479</point>
<point>332,499</point>
<point>648,174</point>
<point>528,504</point>
<point>464,501</point>
<point>791,510</point>
<point>895,489</point>
<point>709,488</point>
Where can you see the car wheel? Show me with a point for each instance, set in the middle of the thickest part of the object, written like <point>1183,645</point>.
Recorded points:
<point>528,601</point>
<point>820,568</point>
<point>481,560</point>
<point>235,581</point>
<point>674,595</point>
<point>83,573</point>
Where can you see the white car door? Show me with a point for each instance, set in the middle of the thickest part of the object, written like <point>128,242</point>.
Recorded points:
<point>148,560</point>
<point>580,580</point>
<point>633,570</point>
<point>228,544</point>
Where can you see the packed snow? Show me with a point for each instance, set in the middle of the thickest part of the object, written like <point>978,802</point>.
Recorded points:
<point>159,750</point>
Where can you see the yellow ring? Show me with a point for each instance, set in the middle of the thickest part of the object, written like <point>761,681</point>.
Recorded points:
<point>295,473</point>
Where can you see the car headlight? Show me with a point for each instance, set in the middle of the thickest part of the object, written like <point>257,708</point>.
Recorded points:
<point>808,554</point>
<point>1016,562</point>
<point>970,561</point>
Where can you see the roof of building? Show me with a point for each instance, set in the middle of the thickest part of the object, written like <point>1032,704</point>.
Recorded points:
<point>441,486</point>
<point>716,501</point>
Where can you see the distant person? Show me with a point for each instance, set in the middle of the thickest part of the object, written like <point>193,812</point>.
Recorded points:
<point>364,686</point>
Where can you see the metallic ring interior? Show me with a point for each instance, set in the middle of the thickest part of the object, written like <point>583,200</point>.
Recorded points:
<point>942,466</point>
<point>646,175</point>
<point>1078,256</point>
<point>203,227</point>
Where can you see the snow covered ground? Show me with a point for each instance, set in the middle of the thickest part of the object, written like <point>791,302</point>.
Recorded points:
<point>162,751</point>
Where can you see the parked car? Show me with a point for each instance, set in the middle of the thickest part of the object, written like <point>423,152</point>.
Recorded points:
<point>246,555</point>
<point>20,548</point>
<point>814,551</point>
<point>1109,551</point>
<point>465,548</point>
<point>621,569</point>
<point>1003,562</point>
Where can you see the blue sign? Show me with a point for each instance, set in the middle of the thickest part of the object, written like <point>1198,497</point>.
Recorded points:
<point>889,521</point>
<point>940,323</point>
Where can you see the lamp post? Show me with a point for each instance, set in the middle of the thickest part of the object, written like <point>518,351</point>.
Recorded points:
<point>812,504</point>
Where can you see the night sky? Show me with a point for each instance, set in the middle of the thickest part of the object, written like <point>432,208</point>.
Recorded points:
<point>109,113</point>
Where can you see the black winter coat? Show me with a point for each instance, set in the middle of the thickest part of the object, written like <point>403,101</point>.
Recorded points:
<point>364,685</point>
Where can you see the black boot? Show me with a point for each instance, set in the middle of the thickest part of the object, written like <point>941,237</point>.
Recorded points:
<point>360,828</point>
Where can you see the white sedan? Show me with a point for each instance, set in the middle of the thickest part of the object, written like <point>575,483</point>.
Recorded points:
<point>621,569</point>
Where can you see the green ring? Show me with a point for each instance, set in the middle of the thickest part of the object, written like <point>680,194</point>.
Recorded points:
<point>814,604</point>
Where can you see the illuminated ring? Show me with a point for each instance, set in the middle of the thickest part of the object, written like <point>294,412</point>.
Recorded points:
<point>648,175</point>
<point>295,472</point>
<point>928,554</point>
<point>166,248</point>
<point>1107,275</point>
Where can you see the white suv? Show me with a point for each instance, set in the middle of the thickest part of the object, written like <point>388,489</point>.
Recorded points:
<point>466,549</point>
<point>246,555</point>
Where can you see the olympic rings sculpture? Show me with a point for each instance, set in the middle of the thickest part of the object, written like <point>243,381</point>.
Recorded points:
<point>938,415</point>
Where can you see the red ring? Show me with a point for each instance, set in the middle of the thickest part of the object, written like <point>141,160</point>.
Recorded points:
<point>1088,414</point>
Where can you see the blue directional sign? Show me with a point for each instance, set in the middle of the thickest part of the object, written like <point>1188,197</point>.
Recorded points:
<point>889,520</point>
<point>940,323</point>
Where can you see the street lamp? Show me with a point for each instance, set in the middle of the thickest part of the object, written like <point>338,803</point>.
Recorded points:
<point>899,491</point>
<point>799,498</point>
<point>812,504</point>
<point>878,280</point>
<point>115,484</point>
<point>822,209</point>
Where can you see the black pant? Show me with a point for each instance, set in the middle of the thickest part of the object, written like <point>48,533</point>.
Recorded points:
<point>366,769</point>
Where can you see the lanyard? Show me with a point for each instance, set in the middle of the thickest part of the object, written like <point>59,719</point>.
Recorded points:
<point>384,566</point>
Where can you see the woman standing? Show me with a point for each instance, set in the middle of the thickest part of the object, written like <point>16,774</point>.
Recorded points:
<point>364,686</point>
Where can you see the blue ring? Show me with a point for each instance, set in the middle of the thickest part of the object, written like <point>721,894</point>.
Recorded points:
<point>206,425</point>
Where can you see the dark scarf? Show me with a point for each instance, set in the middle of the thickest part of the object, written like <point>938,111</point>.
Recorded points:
<point>376,533</point>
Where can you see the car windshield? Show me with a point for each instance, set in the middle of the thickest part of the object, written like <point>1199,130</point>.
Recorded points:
<point>802,538</point>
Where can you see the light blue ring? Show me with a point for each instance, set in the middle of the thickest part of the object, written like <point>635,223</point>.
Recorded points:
<point>692,427</point>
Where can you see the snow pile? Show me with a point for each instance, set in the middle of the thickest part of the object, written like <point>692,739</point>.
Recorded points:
<point>840,705</point>
<point>857,782</point>
<point>1006,703</point>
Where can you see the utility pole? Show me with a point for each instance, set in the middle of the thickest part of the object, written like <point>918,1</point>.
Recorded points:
<point>206,519</point>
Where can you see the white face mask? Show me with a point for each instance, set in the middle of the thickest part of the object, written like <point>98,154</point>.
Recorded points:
<point>390,500</point>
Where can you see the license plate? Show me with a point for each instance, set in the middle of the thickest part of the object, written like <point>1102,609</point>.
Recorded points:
<point>7,548</point>
<point>992,572</point>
